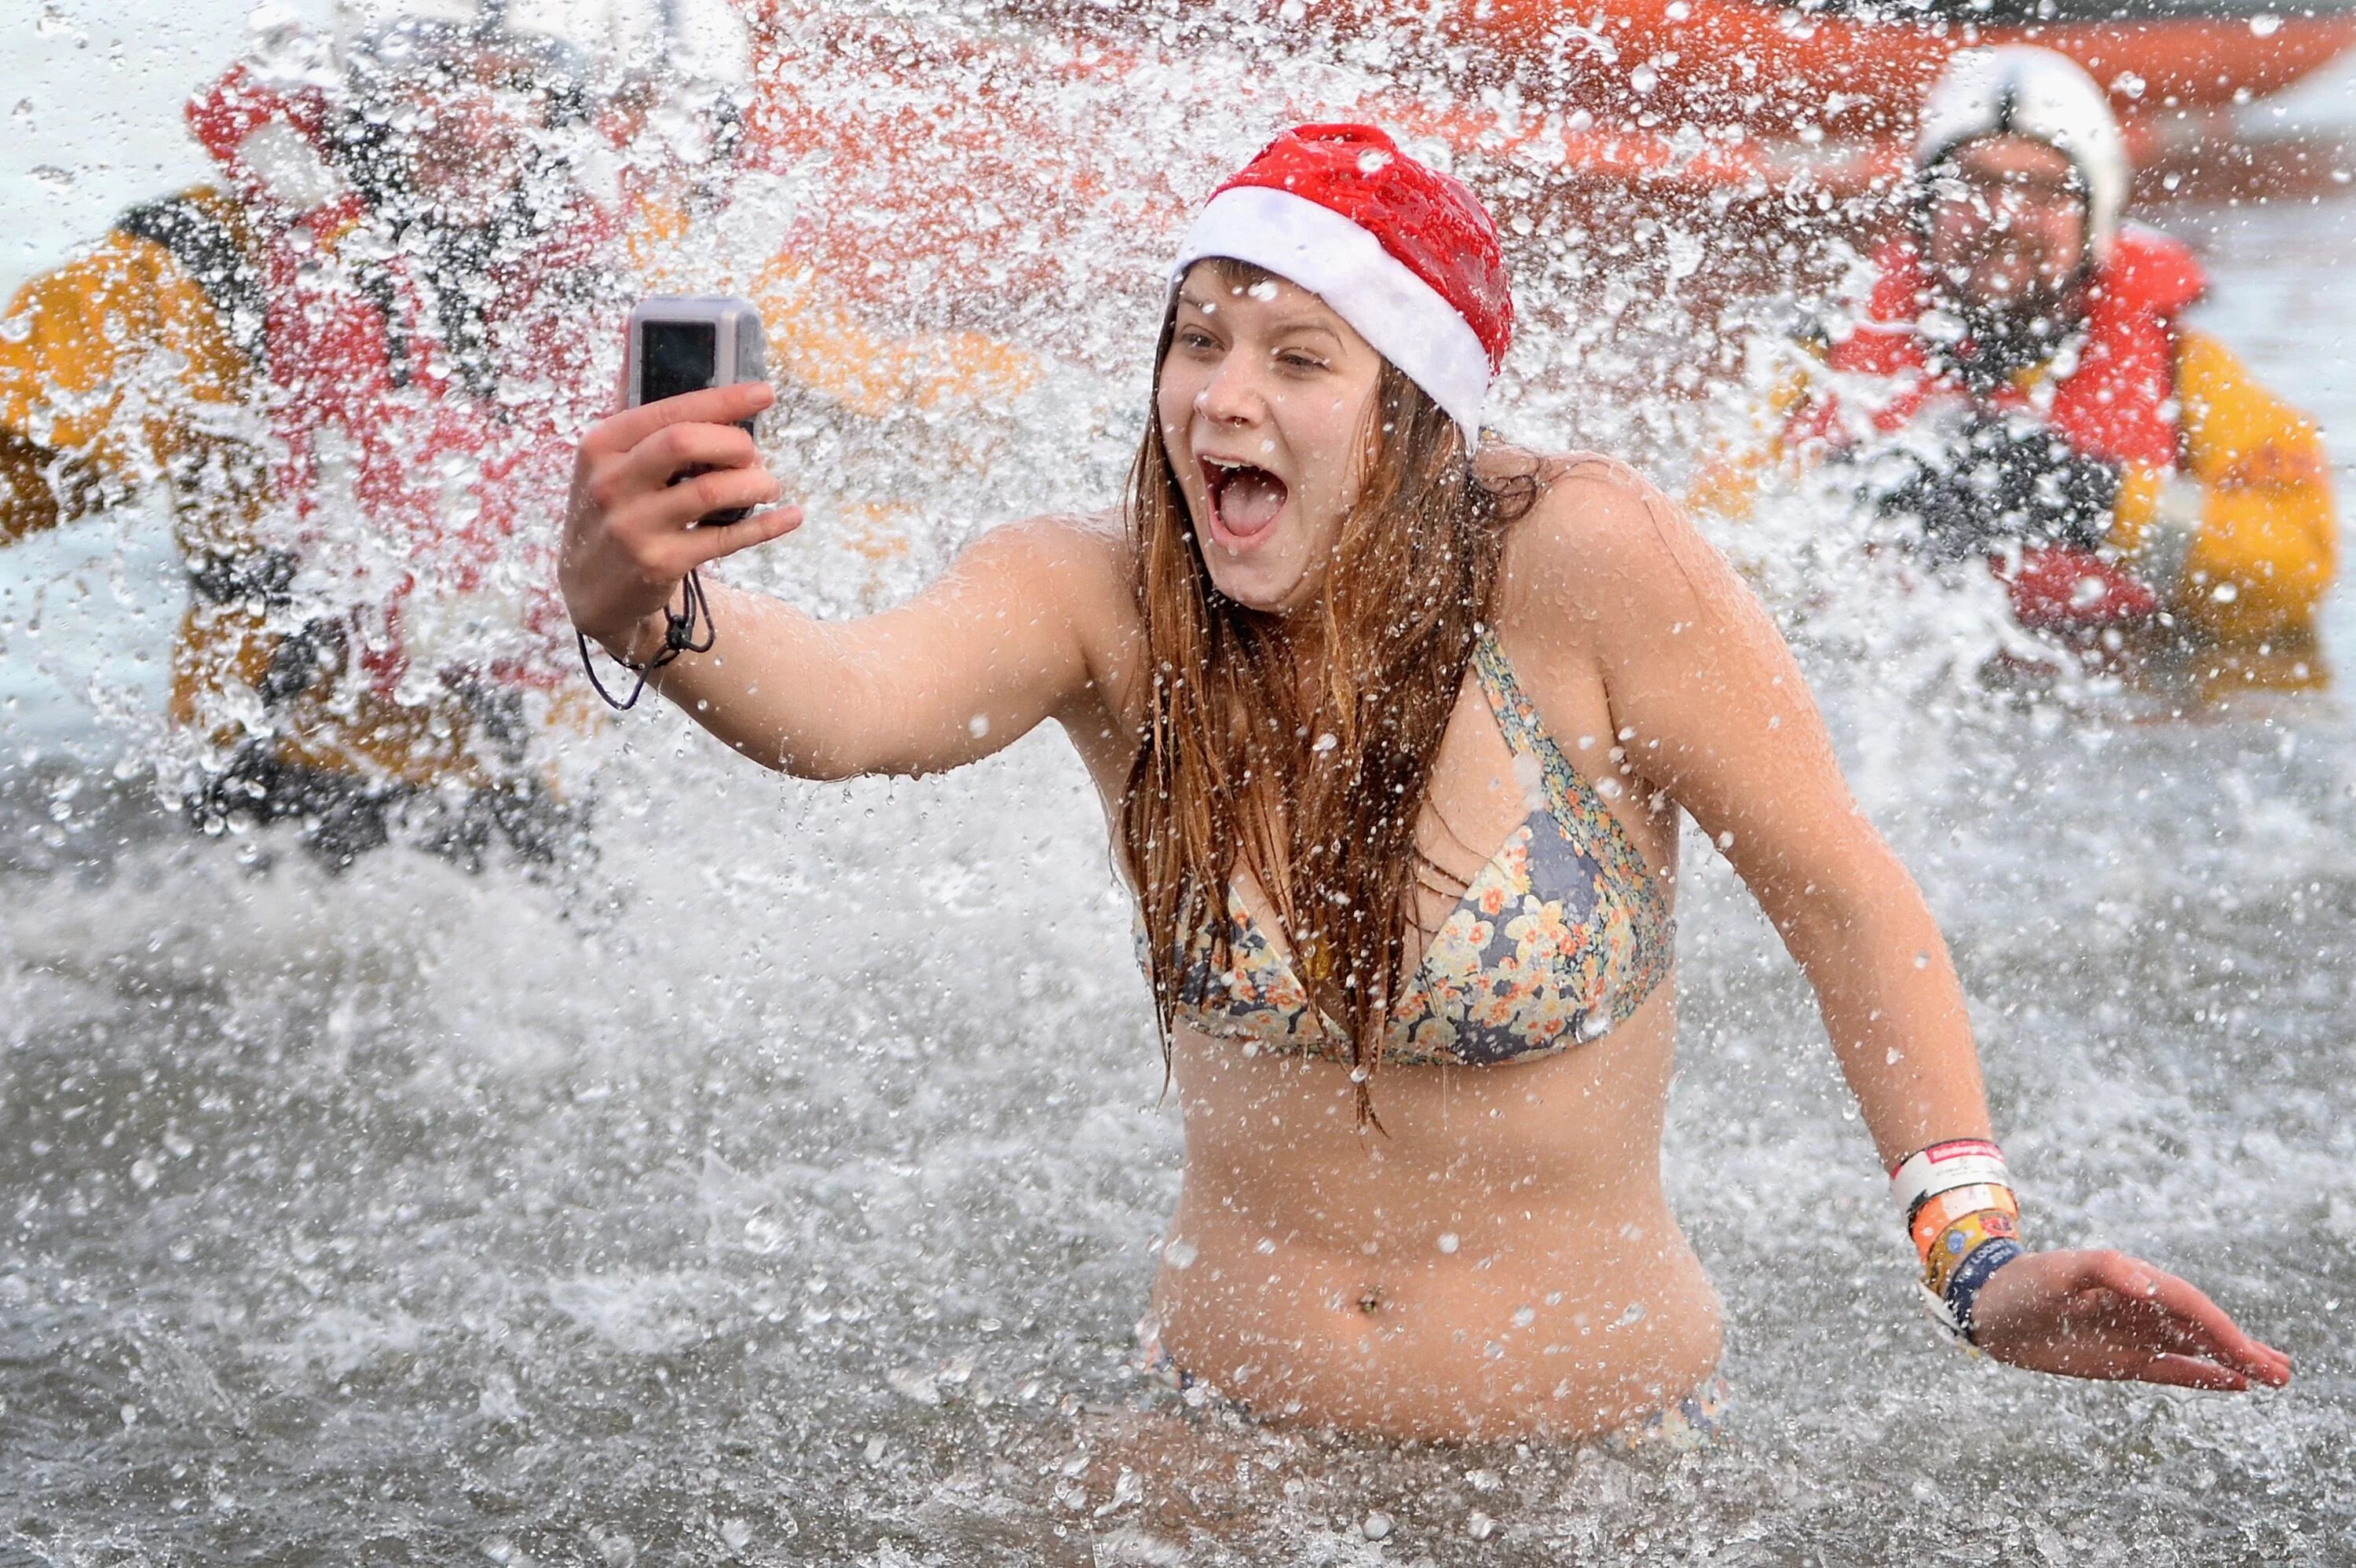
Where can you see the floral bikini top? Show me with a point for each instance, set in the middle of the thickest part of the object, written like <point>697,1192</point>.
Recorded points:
<point>1559,938</point>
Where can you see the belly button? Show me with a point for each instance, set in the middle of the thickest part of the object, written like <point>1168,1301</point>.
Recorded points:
<point>1372,1300</point>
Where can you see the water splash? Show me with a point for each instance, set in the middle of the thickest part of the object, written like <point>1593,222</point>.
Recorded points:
<point>770,1177</point>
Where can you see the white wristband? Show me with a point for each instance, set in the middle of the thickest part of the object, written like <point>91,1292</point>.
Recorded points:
<point>1943,1168</point>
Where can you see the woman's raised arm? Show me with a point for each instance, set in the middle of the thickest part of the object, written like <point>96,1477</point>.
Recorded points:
<point>1013,634</point>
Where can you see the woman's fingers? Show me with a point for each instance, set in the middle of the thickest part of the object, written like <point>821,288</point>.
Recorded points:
<point>713,405</point>
<point>2189,1372</point>
<point>677,449</point>
<point>698,546</point>
<point>2187,1322</point>
<point>676,507</point>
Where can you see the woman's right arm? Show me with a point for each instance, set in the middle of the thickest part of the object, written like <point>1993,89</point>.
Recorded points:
<point>1008,637</point>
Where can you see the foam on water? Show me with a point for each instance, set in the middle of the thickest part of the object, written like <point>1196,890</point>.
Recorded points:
<point>774,1179</point>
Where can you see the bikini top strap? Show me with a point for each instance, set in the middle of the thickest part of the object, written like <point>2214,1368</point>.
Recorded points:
<point>1577,808</point>
<point>1571,800</point>
<point>1518,716</point>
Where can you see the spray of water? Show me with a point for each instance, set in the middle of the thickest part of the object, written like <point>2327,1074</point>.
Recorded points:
<point>769,1172</point>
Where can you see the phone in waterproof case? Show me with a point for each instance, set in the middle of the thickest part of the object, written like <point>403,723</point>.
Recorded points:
<point>684,342</point>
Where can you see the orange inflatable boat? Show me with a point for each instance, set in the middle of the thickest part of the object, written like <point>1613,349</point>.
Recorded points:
<point>1055,103</point>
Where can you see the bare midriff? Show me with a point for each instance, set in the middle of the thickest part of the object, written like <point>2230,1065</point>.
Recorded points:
<point>1499,1262</point>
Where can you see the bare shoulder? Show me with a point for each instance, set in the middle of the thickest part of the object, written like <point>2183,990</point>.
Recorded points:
<point>1602,545</point>
<point>1084,558</point>
<point>1075,539</point>
<point>1071,577</point>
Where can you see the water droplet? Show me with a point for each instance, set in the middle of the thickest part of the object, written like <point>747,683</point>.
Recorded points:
<point>1447,1241</point>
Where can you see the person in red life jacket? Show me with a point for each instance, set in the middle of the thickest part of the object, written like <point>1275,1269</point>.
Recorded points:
<point>2021,385</point>
<point>355,362</point>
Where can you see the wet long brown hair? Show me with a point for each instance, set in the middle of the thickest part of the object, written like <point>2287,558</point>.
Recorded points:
<point>1311,777</point>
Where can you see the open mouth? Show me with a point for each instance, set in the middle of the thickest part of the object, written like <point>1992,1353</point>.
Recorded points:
<point>1244,498</point>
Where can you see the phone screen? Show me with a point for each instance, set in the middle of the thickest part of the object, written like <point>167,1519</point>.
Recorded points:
<point>676,356</point>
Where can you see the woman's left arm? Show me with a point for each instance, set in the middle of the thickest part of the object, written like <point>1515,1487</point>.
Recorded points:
<point>1710,708</point>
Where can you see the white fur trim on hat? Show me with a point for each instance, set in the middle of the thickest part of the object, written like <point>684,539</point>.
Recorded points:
<point>1406,320</point>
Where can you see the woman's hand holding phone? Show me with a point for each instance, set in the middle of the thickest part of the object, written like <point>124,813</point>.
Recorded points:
<point>641,481</point>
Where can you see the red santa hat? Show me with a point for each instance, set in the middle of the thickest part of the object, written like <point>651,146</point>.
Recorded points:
<point>1403,253</point>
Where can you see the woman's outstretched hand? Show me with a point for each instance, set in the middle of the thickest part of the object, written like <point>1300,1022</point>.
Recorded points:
<point>2092,1314</point>
<point>629,533</point>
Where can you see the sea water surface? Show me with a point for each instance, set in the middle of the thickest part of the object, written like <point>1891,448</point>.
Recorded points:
<point>777,1178</point>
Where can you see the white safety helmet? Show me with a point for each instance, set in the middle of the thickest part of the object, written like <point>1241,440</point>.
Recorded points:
<point>2022,90</point>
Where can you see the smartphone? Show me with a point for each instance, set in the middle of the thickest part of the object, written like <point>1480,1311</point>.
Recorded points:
<point>684,342</point>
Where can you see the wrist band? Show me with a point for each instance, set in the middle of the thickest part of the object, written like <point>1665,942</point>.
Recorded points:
<point>1964,1221</point>
<point>1942,1167</point>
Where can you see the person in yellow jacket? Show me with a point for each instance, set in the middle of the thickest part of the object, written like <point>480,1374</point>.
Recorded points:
<point>306,338</point>
<point>2126,475</point>
<point>197,348</point>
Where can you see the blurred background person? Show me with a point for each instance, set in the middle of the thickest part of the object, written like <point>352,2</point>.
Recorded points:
<point>355,362</point>
<point>2020,385</point>
<point>345,360</point>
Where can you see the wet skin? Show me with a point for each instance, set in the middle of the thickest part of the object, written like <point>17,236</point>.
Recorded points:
<point>1306,1270</point>
<point>1501,1260</point>
<point>1319,1280</point>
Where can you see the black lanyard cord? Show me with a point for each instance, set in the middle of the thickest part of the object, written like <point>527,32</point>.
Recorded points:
<point>679,637</point>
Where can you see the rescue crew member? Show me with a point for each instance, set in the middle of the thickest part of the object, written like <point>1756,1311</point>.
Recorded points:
<point>309,343</point>
<point>399,278</point>
<point>2122,470</point>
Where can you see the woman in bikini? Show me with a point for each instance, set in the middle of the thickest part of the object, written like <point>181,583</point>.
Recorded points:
<point>1395,726</point>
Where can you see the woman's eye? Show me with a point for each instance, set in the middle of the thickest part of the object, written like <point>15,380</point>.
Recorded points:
<point>1196,339</point>
<point>1301,362</point>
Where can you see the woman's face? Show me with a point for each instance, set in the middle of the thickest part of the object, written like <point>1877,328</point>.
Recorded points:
<point>1264,406</point>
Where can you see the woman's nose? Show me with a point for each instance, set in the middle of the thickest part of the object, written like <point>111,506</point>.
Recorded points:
<point>1232,394</point>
